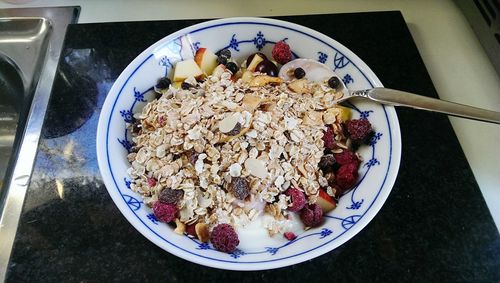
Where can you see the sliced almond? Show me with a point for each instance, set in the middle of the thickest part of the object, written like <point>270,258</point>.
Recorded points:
<point>256,167</point>
<point>299,86</point>
<point>225,138</point>
<point>251,102</point>
<point>201,230</point>
<point>180,227</point>
<point>264,80</point>
<point>229,122</point>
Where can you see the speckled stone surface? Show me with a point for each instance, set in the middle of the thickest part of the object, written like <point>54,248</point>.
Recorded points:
<point>435,225</point>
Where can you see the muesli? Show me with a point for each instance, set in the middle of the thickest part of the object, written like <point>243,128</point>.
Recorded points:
<point>226,143</point>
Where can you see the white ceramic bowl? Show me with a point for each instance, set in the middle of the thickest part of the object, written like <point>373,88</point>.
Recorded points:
<point>244,36</point>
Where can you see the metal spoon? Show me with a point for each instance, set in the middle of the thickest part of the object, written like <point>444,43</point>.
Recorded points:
<point>316,71</point>
<point>402,98</point>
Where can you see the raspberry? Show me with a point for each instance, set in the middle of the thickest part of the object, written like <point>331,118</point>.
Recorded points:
<point>346,176</point>
<point>281,52</point>
<point>358,129</point>
<point>346,157</point>
<point>290,236</point>
<point>191,231</point>
<point>297,197</point>
<point>164,212</point>
<point>170,196</point>
<point>224,238</point>
<point>151,182</point>
<point>311,215</point>
<point>329,139</point>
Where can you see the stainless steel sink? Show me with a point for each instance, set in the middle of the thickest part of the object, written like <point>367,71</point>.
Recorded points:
<point>23,49</point>
<point>31,41</point>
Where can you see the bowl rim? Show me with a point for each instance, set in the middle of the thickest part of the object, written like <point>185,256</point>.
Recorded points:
<point>119,84</point>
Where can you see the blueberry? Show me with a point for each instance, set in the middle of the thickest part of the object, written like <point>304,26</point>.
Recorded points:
<point>163,83</point>
<point>225,53</point>
<point>299,73</point>
<point>231,66</point>
<point>334,83</point>
<point>185,85</point>
<point>221,60</point>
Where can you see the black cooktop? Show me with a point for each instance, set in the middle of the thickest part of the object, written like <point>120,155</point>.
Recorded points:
<point>435,225</point>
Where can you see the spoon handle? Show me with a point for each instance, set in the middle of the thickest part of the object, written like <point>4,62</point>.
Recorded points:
<point>402,98</point>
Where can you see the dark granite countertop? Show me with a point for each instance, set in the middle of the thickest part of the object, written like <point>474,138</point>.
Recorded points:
<point>435,225</point>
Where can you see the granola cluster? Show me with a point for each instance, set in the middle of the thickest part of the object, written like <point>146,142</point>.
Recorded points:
<point>233,147</point>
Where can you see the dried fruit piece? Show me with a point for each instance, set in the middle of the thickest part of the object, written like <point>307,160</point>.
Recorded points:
<point>232,67</point>
<point>267,67</point>
<point>164,212</point>
<point>358,129</point>
<point>346,176</point>
<point>334,83</point>
<point>240,187</point>
<point>151,181</point>
<point>330,177</point>
<point>346,157</point>
<point>326,201</point>
<point>290,236</point>
<point>281,52</point>
<point>224,238</point>
<point>329,138</point>
<point>327,163</point>
<point>190,230</point>
<point>170,196</point>
<point>299,73</point>
<point>311,215</point>
<point>297,199</point>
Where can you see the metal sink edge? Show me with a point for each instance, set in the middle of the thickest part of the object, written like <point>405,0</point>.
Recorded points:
<point>20,168</point>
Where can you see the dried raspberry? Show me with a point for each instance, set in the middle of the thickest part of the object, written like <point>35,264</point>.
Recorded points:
<point>164,212</point>
<point>151,182</point>
<point>190,230</point>
<point>281,52</point>
<point>290,236</point>
<point>170,196</point>
<point>224,238</point>
<point>346,176</point>
<point>311,215</point>
<point>329,139</point>
<point>346,157</point>
<point>298,199</point>
<point>359,129</point>
<point>239,187</point>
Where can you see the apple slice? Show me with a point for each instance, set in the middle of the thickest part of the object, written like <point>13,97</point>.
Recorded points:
<point>185,69</point>
<point>255,61</point>
<point>206,60</point>
<point>326,202</point>
<point>217,72</point>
